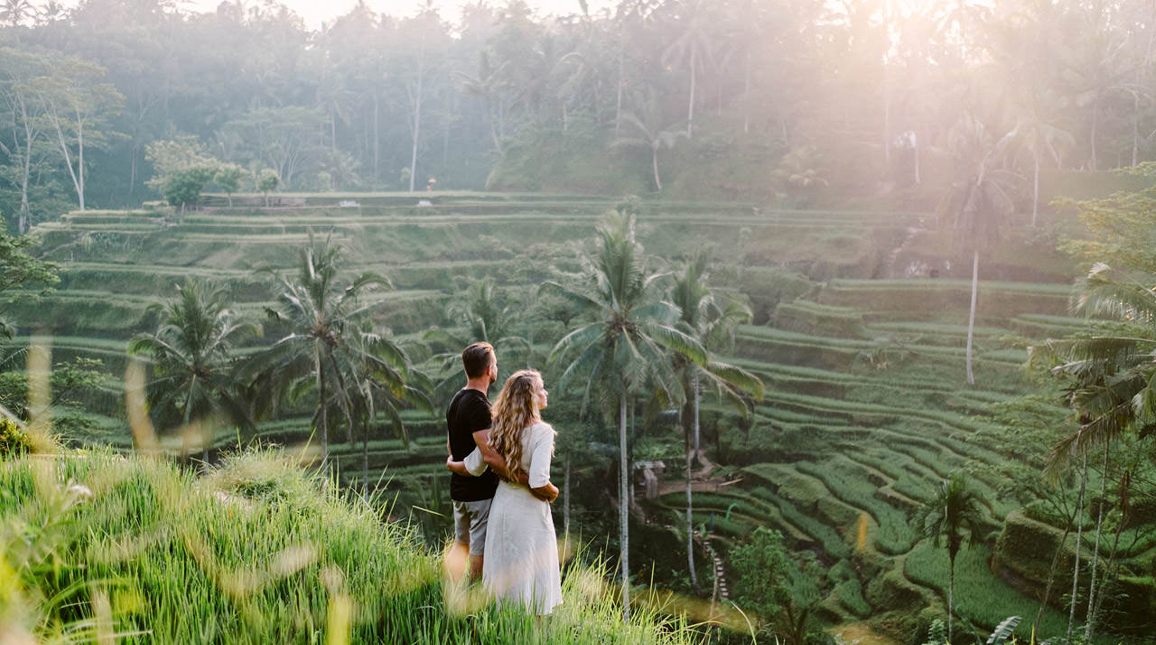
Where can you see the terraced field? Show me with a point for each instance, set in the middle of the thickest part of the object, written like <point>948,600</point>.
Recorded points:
<point>866,407</point>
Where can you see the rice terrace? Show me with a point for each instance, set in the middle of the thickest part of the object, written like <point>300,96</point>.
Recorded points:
<point>846,315</point>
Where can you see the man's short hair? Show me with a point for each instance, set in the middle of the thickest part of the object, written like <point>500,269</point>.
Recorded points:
<point>477,358</point>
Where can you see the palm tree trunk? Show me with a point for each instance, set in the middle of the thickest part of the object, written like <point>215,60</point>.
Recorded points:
<point>365,461</point>
<point>322,421</point>
<point>689,493</point>
<point>566,495</point>
<point>623,508</point>
<point>621,82</point>
<point>747,92</point>
<point>376,137</point>
<point>1079,542</point>
<point>654,163</point>
<point>1095,123</point>
<point>690,105</point>
<point>1096,551</point>
<point>971,316</point>
<point>915,137</point>
<point>185,439</point>
<point>950,597</point>
<point>1036,190</point>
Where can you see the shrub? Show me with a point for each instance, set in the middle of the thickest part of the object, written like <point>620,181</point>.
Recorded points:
<point>14,441</point>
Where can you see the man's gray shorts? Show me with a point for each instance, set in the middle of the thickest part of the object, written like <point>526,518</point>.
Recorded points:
<point>470,519</point>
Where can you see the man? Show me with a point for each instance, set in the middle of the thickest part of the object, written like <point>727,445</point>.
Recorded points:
<point>468,424</point>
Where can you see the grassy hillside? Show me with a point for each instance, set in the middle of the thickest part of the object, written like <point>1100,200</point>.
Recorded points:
<point>862,352</point>
<point>97,547</point>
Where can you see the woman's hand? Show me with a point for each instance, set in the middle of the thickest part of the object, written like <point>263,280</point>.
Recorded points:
<point>457,467</point>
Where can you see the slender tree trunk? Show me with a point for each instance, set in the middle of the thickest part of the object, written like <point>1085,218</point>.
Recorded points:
<point>915,137</point>
<point>365,461</point>
<point>186,443</point>
<point>887,93</point>
<point>566,495</point>
<point>1096,551</point>
<point>654,163</point>
<point>624,508</point>
<point>1079,543</point>
<point>1135,128</point>
<point>690,104</point>
<point>689,492</point>
<point>1036,190</point>
<point>621,82</point>
<point>416,130</point>
<point>376,137</point>
<point>321,416</point>
<point>80,157</point>
<point>971,316</point>
<point>950,597</point>
<point>1095,123</point>
<point>1110,569</point>
<point>747,92</point>
<point>132,150</point>
<point>493,126</point>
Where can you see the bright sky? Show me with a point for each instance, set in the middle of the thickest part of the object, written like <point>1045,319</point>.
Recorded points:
<point>317,11</point>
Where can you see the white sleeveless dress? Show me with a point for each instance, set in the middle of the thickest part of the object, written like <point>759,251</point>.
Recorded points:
<point>521,558</point>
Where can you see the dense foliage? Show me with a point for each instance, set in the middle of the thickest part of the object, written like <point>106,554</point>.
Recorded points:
<point>794,99</point>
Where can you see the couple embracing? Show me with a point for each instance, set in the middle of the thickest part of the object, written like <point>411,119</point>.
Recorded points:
<point>501,491</point>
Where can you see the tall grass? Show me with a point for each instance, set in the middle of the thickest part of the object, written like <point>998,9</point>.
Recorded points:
<point>257,551</point>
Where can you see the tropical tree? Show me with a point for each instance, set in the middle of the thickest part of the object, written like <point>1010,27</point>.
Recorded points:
<point>1040,138</point>
<point>487,85</point>
<point>649,132</point>
<point>691,47</point>
<point>320,312</point>
<point>14,12</point>
<point>626,348</point>
<point>955,517</point>
<point>484,316</point>
<point>384,381</point>
<point>1110,375</point>
<point>978,201</point>
<point>192,351</point>
<point>702,318</point>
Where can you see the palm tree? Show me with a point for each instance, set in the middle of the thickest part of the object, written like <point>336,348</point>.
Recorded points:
<point>701,317</point>
<point>192,354</point>
<point>690,47</point>
<point>486,85</point>
<point>648,132</point>
<point>14,12</point>
<point>384,381</point>
<point>977,203</point>
<point>626,347</point>
<point>486,317</point>
<point>1040,137</point>
<point>954,511</point>
<point>321,313</point>
<point>1111,376</point>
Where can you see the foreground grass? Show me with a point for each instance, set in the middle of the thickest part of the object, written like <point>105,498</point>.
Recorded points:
<point>99,546</point>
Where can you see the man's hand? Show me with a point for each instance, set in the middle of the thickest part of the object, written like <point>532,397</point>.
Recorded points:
<point>547,493</point>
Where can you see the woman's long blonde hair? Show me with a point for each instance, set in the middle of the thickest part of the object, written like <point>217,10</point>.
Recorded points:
<point>515,410</point>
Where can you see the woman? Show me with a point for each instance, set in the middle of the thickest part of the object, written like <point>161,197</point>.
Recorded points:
<point>521,556</point>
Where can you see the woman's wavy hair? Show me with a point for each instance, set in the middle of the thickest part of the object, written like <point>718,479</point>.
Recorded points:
<point>515,410</point>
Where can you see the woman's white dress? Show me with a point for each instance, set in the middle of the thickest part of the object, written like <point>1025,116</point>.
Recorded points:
<point>521,557</point>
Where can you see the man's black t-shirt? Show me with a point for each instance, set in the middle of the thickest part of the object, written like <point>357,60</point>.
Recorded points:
<point>468,413</point>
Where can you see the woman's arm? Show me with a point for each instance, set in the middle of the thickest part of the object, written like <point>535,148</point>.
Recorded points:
<point>540,457</point>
